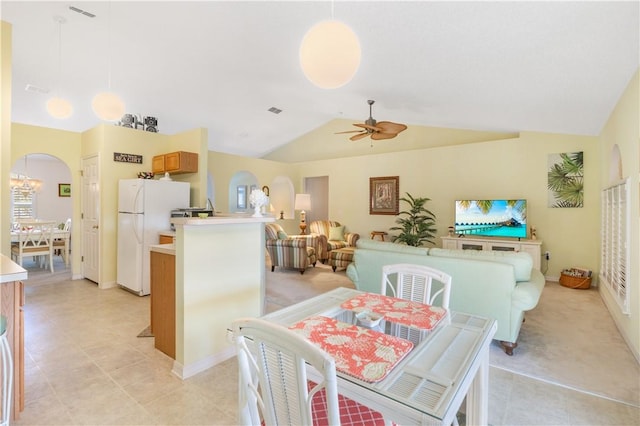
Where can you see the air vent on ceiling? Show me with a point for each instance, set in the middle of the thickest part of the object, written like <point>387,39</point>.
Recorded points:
<point>35,89</point>
<point>275,110</point>
<point>83,12</point>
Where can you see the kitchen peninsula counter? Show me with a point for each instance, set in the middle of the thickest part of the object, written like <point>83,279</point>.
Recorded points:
<point>11,305</point>
<point>219,276</point>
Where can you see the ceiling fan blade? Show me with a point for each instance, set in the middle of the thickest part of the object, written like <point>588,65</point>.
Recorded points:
<point>379,136</point>
<point>368,127</point>
<point>360,136</point>
<point>349,131</point>
<point>390,127</point>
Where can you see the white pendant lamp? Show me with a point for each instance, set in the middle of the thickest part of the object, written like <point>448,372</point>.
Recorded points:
<point>330,54</point>
<point>58,107</point>
<point>107,105</point>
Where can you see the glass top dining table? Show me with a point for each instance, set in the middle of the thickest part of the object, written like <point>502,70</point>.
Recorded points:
<point>430,383</point>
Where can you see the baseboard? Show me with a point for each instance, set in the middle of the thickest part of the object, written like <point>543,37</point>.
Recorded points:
<point>186,371</point>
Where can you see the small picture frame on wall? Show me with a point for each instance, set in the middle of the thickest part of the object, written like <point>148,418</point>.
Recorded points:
<point>383,195</point>
<point>64,190</point>
<point>242,197</point>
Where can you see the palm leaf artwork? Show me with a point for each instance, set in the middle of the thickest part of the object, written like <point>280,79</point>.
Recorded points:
<point>565,180</point>
<point>417,224</point>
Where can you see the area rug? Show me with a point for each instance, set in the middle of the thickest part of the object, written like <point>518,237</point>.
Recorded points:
<point>571,340</point>
<point>146,332</point>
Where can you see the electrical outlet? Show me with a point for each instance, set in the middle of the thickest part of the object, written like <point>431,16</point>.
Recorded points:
<point>547,255</point>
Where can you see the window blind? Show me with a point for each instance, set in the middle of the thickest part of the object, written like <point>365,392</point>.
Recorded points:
<point>614,265</point>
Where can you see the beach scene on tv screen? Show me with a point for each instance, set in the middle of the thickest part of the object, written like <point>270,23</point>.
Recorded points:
<point>492,218</point>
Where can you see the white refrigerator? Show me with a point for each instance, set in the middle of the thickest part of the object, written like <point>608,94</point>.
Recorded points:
<point>144,210</point>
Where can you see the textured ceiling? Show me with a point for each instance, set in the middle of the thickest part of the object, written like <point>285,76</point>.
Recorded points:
<point>548,66</point>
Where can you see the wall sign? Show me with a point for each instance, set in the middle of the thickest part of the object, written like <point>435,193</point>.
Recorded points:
<point>127,158</point>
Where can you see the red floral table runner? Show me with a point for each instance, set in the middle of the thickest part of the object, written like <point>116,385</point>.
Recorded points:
<point>366,354</point>
<point>400,311</point>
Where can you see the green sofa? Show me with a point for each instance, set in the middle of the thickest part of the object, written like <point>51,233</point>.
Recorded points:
<point>495,284</point>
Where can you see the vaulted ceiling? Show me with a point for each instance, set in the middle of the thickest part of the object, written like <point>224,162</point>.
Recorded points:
<point>547,66</point>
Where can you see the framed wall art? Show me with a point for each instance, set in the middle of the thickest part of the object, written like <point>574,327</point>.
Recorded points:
<point>64,190</point>
<point>383,195</point>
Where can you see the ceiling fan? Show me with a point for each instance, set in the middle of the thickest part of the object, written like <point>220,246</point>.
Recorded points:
<point>376,129</point>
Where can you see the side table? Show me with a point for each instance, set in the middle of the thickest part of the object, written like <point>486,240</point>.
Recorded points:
<point>380,234</point>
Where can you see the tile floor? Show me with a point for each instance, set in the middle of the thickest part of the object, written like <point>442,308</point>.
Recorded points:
<point>85,366</point>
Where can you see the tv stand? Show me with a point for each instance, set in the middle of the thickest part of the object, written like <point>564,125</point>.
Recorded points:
<point>533,247</point>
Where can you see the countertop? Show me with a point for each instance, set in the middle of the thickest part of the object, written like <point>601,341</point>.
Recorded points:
<point>221,220</point>
<point>11,271</point>
<point>163,248</point>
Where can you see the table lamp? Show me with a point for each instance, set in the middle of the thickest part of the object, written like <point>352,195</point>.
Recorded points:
<point>302,203</point>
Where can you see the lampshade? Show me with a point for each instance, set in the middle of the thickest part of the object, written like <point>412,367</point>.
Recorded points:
<point>108,106</point>
<point>302,202</point>
<point>59,108</point>
<point>330,54</point>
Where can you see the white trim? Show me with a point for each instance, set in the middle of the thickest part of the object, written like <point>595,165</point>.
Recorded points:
<point>186,371</point>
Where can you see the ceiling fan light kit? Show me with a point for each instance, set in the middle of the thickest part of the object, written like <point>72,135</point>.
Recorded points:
<point>330,54</point>
<point>378,130</point>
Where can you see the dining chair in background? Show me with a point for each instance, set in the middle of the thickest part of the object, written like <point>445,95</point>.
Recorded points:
<point>274,385</point>
<point>60,244</point>
<point>415,282</point>
<point>35,239</point>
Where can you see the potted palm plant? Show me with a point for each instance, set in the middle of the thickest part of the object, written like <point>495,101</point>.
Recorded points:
<point>416,224</point>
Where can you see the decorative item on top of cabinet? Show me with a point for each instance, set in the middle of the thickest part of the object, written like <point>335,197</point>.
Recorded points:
<point>176,162</point>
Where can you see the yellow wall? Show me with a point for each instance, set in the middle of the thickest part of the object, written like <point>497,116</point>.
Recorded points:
<point>103,140</point>
<point>623,129</point>
<point>515,168</point>
<point>5,135</point>
<point>65,146</point>
<point>222,167</point>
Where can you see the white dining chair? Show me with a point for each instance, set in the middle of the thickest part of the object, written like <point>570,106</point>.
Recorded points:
<point>60,244</point>
<point>275,389</point>
<point>35,239</point>
<point>415,282</point>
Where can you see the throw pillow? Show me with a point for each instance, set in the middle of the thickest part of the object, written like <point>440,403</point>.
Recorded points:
<point>282,235</point>
<point>336,233</point>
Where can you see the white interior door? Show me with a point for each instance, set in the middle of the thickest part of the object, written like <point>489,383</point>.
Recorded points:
<point>90,219</point>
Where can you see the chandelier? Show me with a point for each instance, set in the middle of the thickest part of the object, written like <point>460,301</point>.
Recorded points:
<point>23,184</point>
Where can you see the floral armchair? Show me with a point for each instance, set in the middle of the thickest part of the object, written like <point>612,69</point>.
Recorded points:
<point>331,236</point>
<point>290,251</point>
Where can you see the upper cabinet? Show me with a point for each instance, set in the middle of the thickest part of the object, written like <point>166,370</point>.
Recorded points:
<point>176,162</point>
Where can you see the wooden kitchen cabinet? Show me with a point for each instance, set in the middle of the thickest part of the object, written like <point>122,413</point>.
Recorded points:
<point>163,302</point>
<point>175,162</point>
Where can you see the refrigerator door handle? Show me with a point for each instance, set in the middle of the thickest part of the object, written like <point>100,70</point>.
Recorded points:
<point>136,229</point>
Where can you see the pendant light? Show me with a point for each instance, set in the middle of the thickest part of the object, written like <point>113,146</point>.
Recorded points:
<point>330,54</point>
<point>57,106</point>
<point>107,105</point>
<point>23,183</point>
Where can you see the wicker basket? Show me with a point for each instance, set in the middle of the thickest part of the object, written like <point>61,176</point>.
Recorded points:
<point>575,282</point>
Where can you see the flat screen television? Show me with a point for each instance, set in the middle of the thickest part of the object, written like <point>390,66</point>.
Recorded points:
<point>491,218</point>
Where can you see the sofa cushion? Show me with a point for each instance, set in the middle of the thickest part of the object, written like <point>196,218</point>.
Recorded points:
<point>336,233</point>
<point>282,235</point>
<point>521,262</point>
<point>393,247</point>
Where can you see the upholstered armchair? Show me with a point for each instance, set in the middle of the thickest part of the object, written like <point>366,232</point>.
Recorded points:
<point>331,235</point>
<point>290,251</point>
